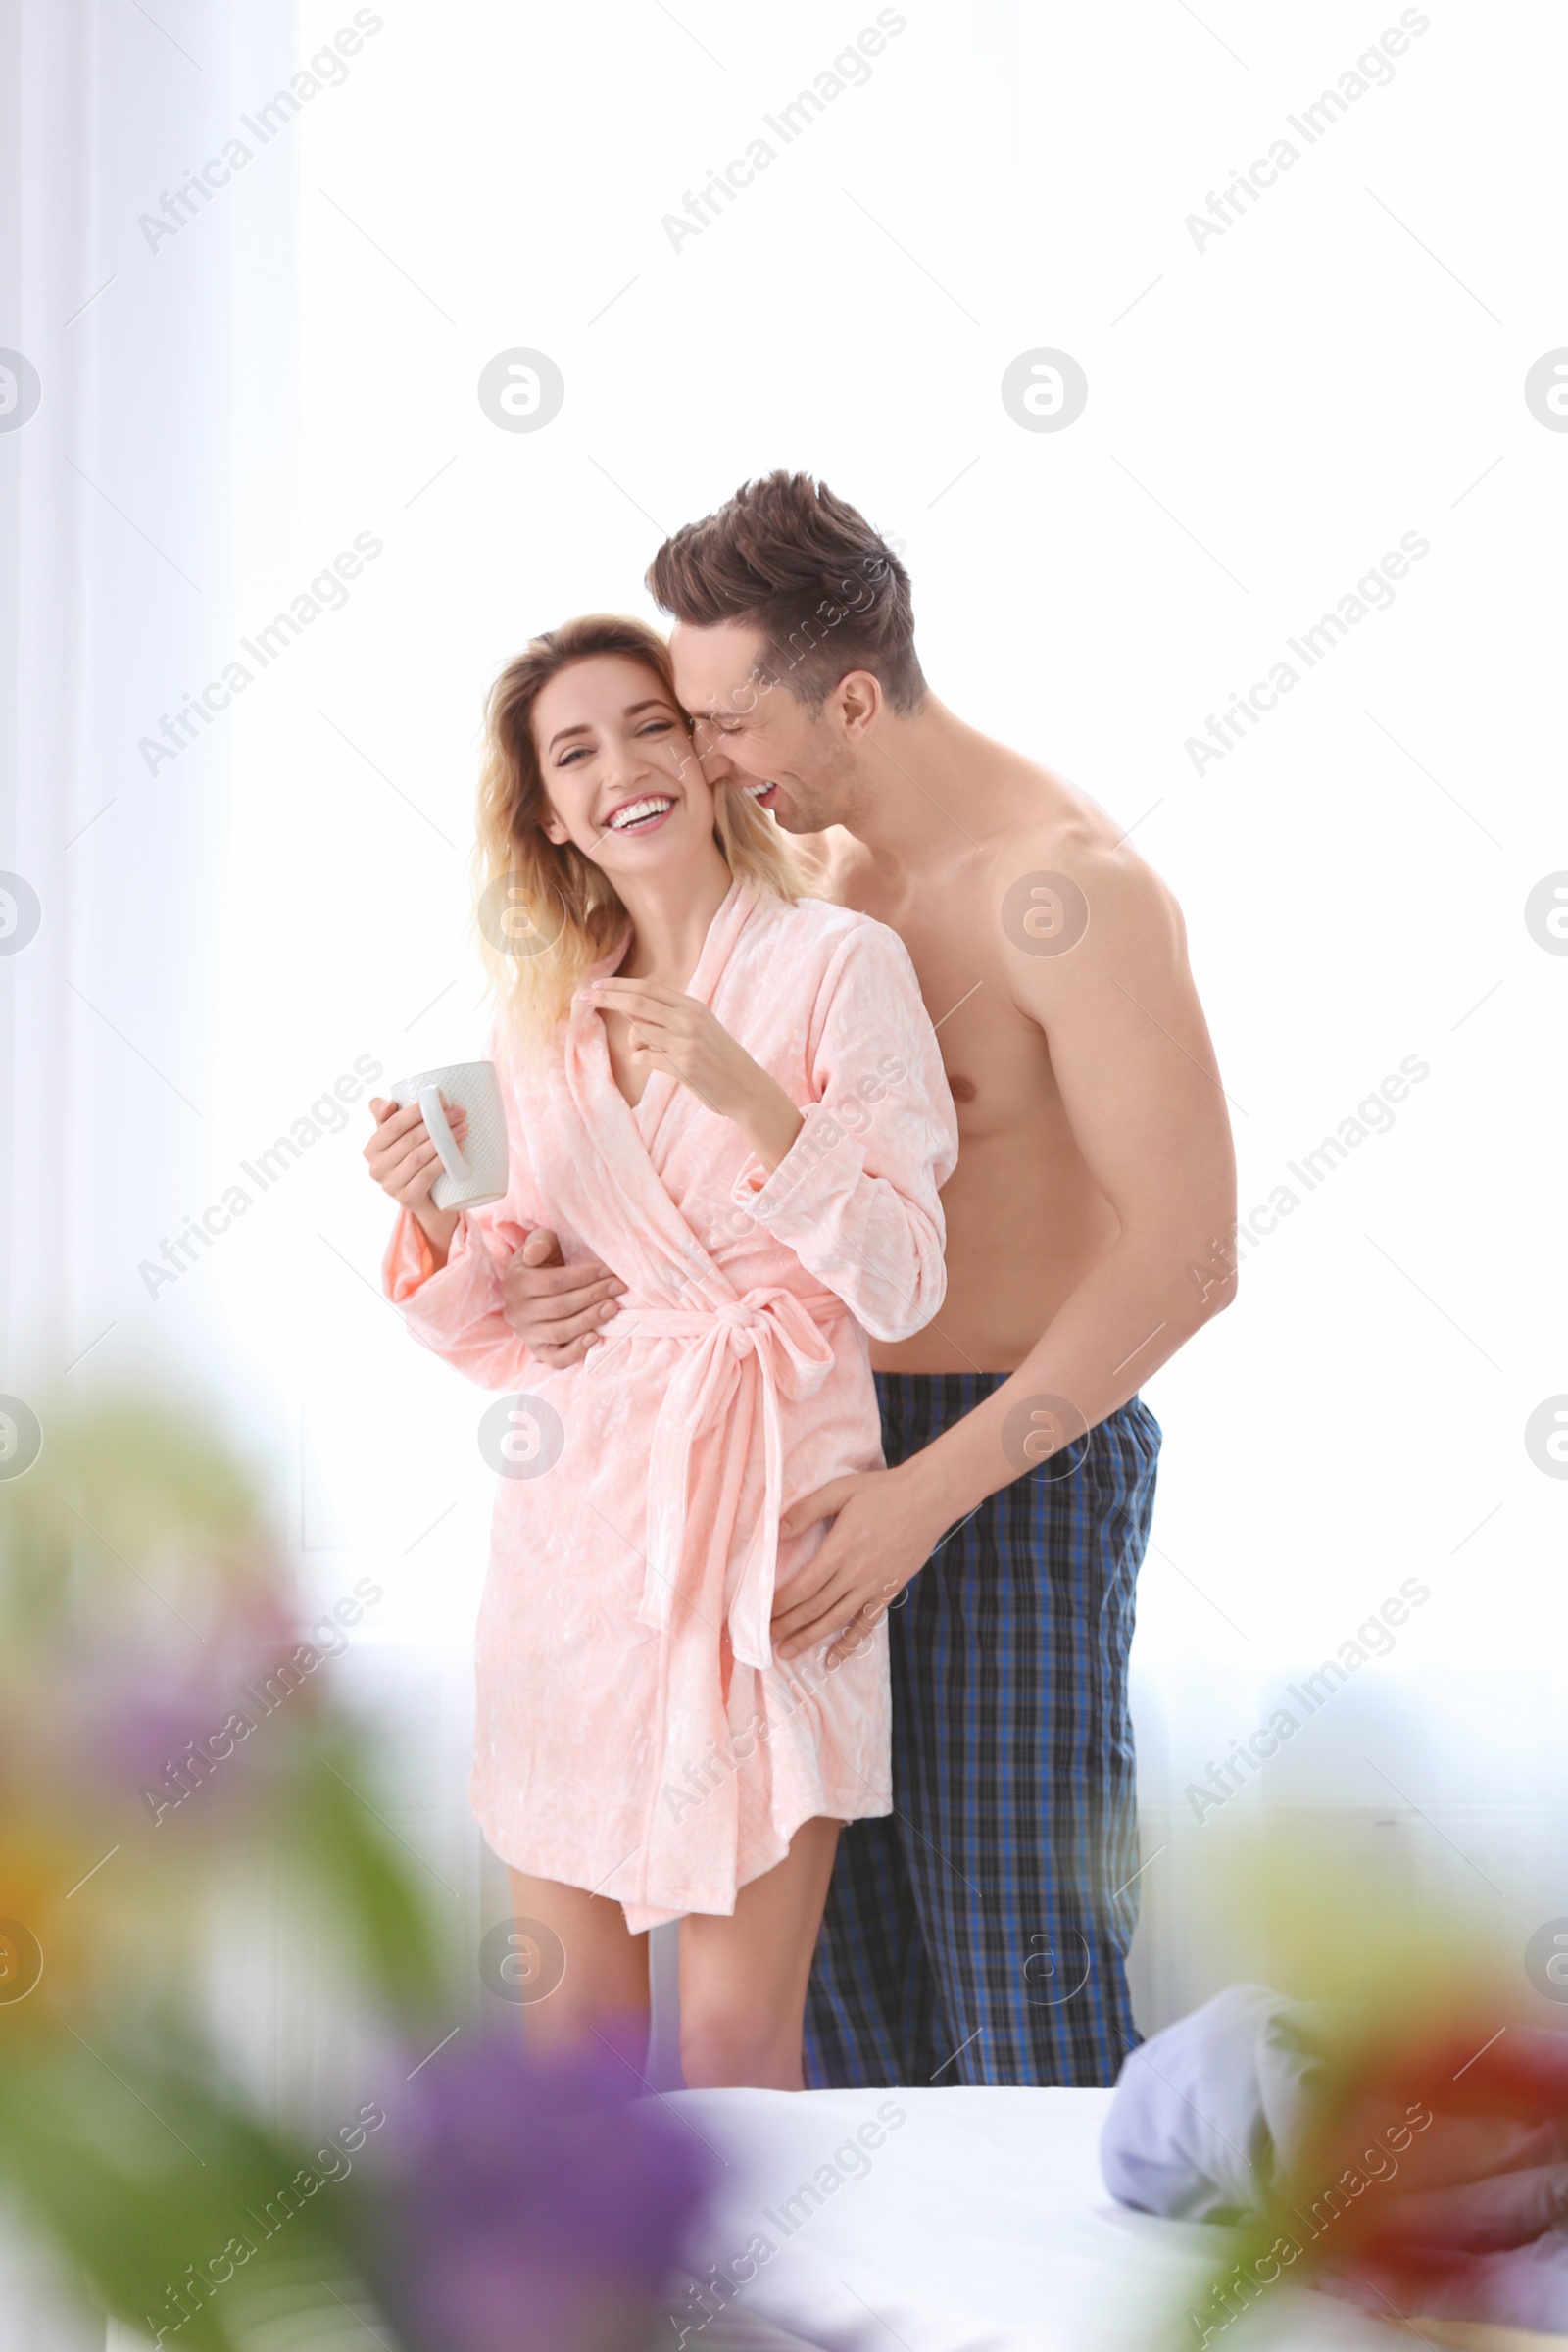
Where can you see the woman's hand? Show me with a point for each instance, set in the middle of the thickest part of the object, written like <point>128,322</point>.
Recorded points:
<point>669,1031</point>
<point>404,1161</point>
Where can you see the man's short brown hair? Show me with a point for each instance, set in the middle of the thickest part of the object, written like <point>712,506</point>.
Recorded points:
<point>827,591</point>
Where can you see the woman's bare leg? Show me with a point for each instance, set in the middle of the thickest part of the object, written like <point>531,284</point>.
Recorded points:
<point>605,1980</point>
<point>743,1979</point>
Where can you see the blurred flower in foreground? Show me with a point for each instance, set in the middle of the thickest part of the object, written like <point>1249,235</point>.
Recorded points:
<point>168,1732</point>
<point>1396,2135</point>
<point>156,1725</point>
<point>533,2207</point>
<point>1472,2227</point>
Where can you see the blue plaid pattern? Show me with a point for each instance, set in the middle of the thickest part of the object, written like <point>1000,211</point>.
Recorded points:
<point>979,1933</point>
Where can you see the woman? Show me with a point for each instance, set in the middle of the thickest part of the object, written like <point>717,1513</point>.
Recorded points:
<point>732,1095</point>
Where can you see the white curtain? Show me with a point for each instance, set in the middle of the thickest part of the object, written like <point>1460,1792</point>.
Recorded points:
<point>258,398</point>
<point>155,479</point>
<point>149,477</point>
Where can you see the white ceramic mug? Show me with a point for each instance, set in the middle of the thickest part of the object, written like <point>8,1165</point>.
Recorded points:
<point>477,1173</point>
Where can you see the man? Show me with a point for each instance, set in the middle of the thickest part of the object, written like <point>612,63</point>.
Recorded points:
<point>979,1933</point>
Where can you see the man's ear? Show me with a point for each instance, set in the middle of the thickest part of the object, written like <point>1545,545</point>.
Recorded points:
<point>859,699</point>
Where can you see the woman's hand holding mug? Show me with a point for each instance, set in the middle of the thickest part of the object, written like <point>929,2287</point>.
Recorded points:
<point>440,1145</point>
<point>403,1159</point>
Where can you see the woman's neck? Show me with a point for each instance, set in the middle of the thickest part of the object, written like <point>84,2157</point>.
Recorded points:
<point>670,915</point>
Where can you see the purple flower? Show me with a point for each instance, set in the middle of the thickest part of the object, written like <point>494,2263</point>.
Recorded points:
<point>130,1720</point>
<point>536,2206</point>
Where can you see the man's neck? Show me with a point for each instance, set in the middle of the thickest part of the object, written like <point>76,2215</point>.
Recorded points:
<point>928,784</point>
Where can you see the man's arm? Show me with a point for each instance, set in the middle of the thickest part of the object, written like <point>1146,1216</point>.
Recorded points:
<point>1136,1069</point>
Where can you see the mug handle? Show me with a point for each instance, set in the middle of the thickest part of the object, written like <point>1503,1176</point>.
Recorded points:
<point>441,1134</point>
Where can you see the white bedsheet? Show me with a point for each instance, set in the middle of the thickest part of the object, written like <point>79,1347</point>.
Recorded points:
<point>980,2224</point>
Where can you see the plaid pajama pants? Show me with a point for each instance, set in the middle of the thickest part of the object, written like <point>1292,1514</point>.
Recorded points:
<point>979,1934</point>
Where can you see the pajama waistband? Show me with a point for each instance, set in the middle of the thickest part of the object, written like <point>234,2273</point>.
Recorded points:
<point>917,1406</point>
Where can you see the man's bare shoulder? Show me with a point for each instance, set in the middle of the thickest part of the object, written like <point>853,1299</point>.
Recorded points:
<point>1057,828</point>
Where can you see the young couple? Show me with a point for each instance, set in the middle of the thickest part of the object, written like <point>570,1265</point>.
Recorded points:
<point>848,1700</point>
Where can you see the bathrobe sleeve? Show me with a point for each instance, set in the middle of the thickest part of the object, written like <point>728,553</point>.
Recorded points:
<point>456,1310</point>
<point>856,1197</point>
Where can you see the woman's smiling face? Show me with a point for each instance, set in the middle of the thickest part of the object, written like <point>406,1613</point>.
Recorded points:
<point>617,757</point>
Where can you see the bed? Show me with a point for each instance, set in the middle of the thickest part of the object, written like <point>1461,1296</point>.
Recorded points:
<point>977,2222</point>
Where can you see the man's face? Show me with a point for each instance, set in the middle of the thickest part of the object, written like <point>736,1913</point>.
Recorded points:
<point>749,732</point>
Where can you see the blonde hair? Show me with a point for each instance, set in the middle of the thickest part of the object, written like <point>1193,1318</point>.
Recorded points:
<point>545,913</point>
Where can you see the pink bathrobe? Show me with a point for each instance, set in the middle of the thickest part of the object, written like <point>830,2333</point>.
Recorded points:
<point>635,1735</point>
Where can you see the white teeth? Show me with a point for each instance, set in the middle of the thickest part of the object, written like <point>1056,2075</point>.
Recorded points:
<point>635,811</point>
<point>756,790</point>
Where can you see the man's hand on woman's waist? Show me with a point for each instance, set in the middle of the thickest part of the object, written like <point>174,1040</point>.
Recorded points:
<point>559,1312</point>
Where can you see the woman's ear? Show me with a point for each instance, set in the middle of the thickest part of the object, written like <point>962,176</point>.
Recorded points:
<point>552,827</point>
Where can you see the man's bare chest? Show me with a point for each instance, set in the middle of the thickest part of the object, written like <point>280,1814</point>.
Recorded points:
<point>997,1059</point>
